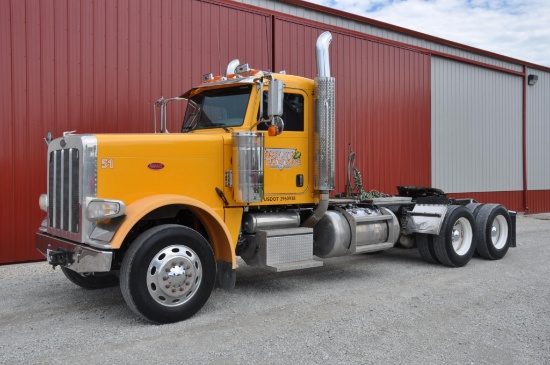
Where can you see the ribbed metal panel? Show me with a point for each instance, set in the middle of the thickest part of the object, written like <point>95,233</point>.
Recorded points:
<point>352,24</point>
<point>476,128</point>
<point>538,132</point>
<point>7,161</point>
<point>98,66</point>
<point>538,201</point>
<point>382,103</point>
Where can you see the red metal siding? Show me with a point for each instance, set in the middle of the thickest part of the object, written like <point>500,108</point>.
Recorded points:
<point>538,201</point>
<point>98,66</point>
<point>7,163</point>
<point>383,102</point>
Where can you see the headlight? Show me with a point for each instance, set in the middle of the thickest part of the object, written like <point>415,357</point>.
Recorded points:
<point>105,209</point>
<point>43,202</point>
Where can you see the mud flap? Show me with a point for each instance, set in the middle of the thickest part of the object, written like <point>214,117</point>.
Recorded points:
<point>226,275</point>
<point>512,228</point>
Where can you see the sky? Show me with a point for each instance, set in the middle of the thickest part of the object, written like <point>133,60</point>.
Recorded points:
<point>514,28</point>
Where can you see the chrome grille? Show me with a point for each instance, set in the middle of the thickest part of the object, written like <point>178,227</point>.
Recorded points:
<point>63,190</point>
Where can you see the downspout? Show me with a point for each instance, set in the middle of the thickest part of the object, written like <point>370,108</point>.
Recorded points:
<point>324,142</point>
<point>524,141</point>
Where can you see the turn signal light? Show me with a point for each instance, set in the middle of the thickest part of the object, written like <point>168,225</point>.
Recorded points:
<point>43,202</point>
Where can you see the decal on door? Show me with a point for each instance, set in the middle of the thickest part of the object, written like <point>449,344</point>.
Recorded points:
<point>282,158</point>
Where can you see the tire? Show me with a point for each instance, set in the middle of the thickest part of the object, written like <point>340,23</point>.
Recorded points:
<point>493,231</point>
<point>424,242</point>
<point>474,208</point>
<point>168,273</point>
<point>91,281</point>
<point>454,246</point>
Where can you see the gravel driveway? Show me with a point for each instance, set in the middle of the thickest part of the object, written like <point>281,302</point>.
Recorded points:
<point>386,308</point>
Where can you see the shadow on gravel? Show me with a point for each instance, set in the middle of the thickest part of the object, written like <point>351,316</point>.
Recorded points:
<point>335,271</point>
<point>541,217</point>
<point>101,305</point>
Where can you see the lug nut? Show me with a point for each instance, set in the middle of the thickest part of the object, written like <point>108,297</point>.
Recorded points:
<point>187,267</point>
<point>173,290</point>
<point>181,263</point>
<point>167,286</point>
<point>165,278</point>
<point>167,269</point>
<point>181,289</point>
<point>190,275</point>
<point>187,283</point>
<point>173,264</point>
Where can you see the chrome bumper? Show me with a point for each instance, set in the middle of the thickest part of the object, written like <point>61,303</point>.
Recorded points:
<point>84,259</point>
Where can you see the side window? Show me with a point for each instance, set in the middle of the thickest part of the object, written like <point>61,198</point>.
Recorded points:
<point>293,112</point>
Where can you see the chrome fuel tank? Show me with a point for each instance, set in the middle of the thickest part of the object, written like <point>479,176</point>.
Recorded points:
<point>357,229</point>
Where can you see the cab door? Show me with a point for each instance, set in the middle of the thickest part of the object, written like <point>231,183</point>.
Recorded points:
<point>286,156</point>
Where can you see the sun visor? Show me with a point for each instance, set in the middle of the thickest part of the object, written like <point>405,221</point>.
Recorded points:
<point>217,84</point>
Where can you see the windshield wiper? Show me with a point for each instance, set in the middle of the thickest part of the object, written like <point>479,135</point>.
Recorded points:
<point>194,121</point>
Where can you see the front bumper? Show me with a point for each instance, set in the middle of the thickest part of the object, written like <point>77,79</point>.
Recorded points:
<point>79,258</point>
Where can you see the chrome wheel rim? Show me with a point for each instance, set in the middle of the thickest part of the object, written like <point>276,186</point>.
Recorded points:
<point>499,232</point>
<point>462,235</point>
<point>174,275</point>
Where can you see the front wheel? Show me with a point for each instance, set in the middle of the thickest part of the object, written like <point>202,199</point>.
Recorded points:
<point>168,273</point>
<point>454,246</point>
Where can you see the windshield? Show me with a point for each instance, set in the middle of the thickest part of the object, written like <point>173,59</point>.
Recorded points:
<point>217,108</point>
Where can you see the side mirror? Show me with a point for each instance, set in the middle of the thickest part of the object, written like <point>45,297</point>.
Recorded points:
<point>275,99</point>
<point>275,107</point>
<point>49,138</point>
<point>276,127</point>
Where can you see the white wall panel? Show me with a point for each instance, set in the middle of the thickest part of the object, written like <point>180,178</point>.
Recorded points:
<point>538,132</point>
<point>476,128</point>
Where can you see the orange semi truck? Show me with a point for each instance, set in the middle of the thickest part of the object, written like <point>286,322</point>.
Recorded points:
<point>250,175</point>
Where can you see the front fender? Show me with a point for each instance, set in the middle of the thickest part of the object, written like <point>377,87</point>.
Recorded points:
<point>220,237</point>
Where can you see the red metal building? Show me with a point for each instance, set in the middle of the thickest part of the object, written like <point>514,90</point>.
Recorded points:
<point>98,66</point>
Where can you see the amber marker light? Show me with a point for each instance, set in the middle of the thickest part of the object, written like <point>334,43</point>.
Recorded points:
<point>272,131</point>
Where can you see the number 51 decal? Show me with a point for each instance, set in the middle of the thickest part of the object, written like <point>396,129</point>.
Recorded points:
<point>107,163</point>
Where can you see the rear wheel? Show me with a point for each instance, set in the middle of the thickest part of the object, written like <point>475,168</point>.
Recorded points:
<point>424,242</point>
<point>168,273</point>
<point>454,246</point>
<point>474,208</point>
<point>91,281</point>
<point>493,231</point>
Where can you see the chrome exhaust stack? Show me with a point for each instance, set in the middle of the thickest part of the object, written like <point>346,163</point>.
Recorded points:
<point>325,119</point>
<point>325,94</point>
<point>321,48</point>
